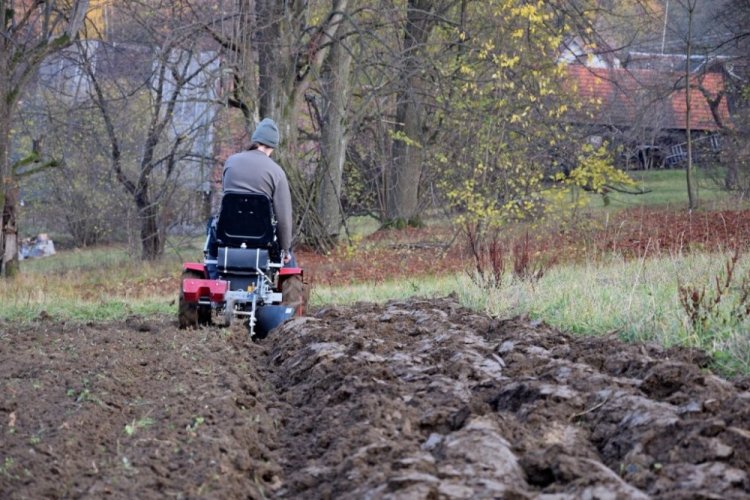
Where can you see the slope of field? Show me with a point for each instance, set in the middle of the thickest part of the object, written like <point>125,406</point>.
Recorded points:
<point>412,399</point>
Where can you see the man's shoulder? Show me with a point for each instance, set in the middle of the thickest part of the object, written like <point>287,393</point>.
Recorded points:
<point>259,161</point>
<point>241,155</point>
<point>270,165</point>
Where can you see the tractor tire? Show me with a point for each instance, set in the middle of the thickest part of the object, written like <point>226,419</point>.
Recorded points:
<point>191,315</point>
<point>294,294</point>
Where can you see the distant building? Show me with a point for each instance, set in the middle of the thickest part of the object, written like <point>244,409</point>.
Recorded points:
<point>645,112</point>
<point>574,51</point>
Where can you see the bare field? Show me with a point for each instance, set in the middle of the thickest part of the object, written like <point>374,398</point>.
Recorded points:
<point>411,399</point>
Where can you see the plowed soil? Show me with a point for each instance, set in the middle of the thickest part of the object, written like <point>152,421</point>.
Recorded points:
<point>412,399</point>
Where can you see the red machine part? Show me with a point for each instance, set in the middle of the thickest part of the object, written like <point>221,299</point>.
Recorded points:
<point>195,289</point>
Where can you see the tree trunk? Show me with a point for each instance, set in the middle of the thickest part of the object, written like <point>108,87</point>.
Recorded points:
<point>731,178</point>
<point>692,196</point>
<point>277,58</point>
<point>333,138</point>
<point>285,71</point>
<point>151,243</point>
<point>402,189</point>
<point>243,61</point>
<point>277,76</point>
<point>402,193</point>
<point>9,263</point>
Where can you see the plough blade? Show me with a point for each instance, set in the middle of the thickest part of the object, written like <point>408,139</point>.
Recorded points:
<point>269,317</point>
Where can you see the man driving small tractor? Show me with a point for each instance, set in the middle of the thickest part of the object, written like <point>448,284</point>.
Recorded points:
<point>249,271</point>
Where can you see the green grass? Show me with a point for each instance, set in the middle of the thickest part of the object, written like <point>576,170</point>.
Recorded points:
<point>100,284</point>
<point>436,286</point>
<point>83,310</point>
<point>664,188</point>
<point>79,261</point>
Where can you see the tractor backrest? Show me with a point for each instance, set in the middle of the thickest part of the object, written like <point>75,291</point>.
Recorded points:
<point>246,220</point>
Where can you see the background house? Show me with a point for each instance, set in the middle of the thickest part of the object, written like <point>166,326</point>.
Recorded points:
<point>644,112</point>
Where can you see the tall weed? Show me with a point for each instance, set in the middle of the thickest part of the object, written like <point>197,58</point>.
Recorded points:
<point>492,260</point>
<point>720,307</point>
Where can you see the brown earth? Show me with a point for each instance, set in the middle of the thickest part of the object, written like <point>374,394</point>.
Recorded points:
<point>412,399</point>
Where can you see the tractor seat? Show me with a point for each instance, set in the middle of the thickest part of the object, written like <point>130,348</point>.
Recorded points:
<point>245,239</point>
<point>246,220</point>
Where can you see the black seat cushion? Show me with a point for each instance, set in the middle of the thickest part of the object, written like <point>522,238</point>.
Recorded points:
<point>242,260</point>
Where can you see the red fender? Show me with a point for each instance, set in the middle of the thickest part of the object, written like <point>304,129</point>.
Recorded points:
<point>289,271</point>
<point>194,266</point>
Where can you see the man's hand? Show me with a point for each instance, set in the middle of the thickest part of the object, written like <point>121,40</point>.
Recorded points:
<point>287,256</point>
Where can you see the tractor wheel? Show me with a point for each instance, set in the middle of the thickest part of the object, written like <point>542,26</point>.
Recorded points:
<point>187,314</point>
<point>191,315</point>
<point>294,294</point>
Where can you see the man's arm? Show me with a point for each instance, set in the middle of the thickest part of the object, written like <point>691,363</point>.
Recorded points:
<point>282,202</point>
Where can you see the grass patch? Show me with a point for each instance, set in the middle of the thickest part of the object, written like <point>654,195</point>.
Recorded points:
<point>664,188</point>
<point>423,286</point>
<point>78,261</point>
<point>81,310</point>
<point>361,225</point>
<point>638,299</point>
<point>97,284</point>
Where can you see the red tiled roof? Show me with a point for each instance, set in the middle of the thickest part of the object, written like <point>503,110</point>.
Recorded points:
<point>646,98</point>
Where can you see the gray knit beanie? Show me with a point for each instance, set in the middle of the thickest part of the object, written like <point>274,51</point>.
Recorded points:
<point>267,133</point>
